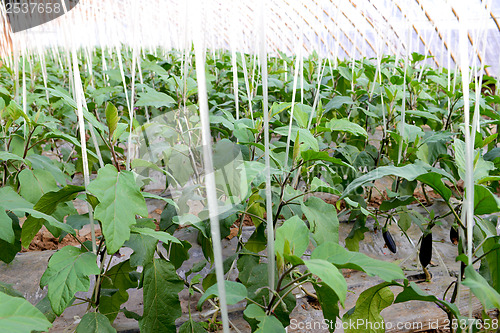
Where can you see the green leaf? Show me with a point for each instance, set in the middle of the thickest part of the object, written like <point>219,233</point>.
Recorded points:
<point>15,111</point>
<point>154,98</point>
<point>17,315</point>
<point>488,296</point>
<point>120,200</point>
<point>8,290</point>
<point>304,135</point>
<point>44,306</point>
<point>112,118</point>
<point>144,249</point>
<point>338,101</point>
<point>317,185</point>
<point>269,324</point>
<point>8,250</point>
<point>94,322</point>
<point>6,156</point>
<point>404,221</point>
<point>181,165</point>
<point>225,153</point>
<point>178,252</point>
<point>161,300</point>
<point>11,200</point>
<point>435,181</point>
<point>49,201</point>
<point>211,277</point>
<point>68,272</point>
<point>368,307</point>
<point>119,279</point>
<point>61,93</point>
<point>30,228</point>
<point>148,195</point>
<point>46,206</point>
<point>35,221</point>
<point>301,114</point>
<point>71,139</point>
<point>167,218</point>
<point>266,323</point>
<point>311,155</point>
<point>41,162</point>
<point>295,232</point>
<point>344,125</point>
<point>206,246</point>
<point>49,219</point>
<point>191,326</point>
<point>245,265</point>
<point>235,292</point>
<point>35,183</point>
<point>342,258</point>
<point>330,275</point>
<point>159,235</point>
<point>396,202</point>
<point>491,246</point>
<point>78,221</point>
<point>296,148</point>
<point>482,168</point>
<point>357,233</point>
<point>329,304</point>
<point>423,114</point>
<point>423,153</point>
<point>6,230</point>
<point>412,292</point>
<point>409,172</point>
<point>323,220</point>
<point>254,278</point>
<point>492,155</point>
<point>485,202</point>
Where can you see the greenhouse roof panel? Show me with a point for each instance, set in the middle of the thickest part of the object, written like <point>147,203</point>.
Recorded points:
<point>332,28</point>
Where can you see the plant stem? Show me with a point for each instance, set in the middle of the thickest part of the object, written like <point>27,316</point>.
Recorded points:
<point>485,254</point>
<point>296,280</point>
<point>455,214</point>
<point>425,195</point>
<point>287,293</point>
<point>27,145</point>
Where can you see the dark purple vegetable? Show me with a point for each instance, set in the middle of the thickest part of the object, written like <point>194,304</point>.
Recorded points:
<point>425,254</point>
<point>454,235</point>
<point>389,242</point>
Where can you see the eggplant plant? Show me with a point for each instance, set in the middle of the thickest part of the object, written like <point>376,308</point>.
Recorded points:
<point>345,129</point>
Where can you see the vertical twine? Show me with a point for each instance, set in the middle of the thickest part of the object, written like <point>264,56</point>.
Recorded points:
<point>265,110</point>
<point>207,159</point>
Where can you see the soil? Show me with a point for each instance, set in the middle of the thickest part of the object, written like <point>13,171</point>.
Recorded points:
<point>44,240</point>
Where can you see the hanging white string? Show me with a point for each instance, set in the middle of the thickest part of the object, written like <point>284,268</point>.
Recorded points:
<point>403,102</point>
<point>199,49</point>
<point>321,71</point>
<point>265,110</point>
<point>25,106</point>
<point>129,107</point>
<point>234,42</point>
<point>294,92</point>
<point>81,123</point>
<point>247,86</point>
<point>469,148</point>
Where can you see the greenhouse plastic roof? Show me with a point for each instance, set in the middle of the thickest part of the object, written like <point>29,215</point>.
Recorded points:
<point>332,28</point>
